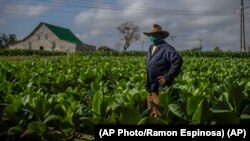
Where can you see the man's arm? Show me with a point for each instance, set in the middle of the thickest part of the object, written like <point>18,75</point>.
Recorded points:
<point>176,64</point>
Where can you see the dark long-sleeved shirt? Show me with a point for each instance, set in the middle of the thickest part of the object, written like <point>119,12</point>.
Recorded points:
<point>166,62</point>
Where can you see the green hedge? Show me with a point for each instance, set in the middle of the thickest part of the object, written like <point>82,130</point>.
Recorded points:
<point>19,52</point>
<point>208,54</point>
<point>212,54</point>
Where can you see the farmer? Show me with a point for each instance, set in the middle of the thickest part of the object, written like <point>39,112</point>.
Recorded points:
<point>163,65</point>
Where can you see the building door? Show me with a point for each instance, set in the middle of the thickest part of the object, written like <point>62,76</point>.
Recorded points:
<point>41,47</point>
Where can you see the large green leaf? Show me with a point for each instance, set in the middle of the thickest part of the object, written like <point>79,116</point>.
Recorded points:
<point>16,130</point>
<point>222,103</point>
<point>25,99</point>
<point>245,115</point>
<point>148,120</point>
<point>179,111</point>
<point>37,127</point>
<point>41,106</point>
<point>88,123</point>
<point>97,103</point>
<point>246,110</point>
<point>192,104</point>
<point>225,117</point>
<point>235,95</point>
<point>164,100</point>
<point>202,113</point>
<point>120,101</point>
<point>12,109</point>
<point>184,95</point>
<point>143,121</point>
<point>95,86</point>
<point>52,117</point>
<point>129,115</point>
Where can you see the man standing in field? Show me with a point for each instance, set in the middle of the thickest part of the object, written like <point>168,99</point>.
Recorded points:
<point>163,65</point>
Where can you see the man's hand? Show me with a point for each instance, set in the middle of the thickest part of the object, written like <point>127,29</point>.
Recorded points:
<point>161,80</point>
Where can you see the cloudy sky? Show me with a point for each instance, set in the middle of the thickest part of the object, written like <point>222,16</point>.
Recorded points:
<point>190,22</point>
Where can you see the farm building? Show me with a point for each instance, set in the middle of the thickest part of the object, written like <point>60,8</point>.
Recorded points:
<point>52,38</point>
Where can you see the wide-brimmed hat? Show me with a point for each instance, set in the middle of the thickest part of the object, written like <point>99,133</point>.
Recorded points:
<point>157,30</point>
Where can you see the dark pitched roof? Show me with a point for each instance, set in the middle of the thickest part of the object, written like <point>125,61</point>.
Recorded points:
<point>63,33</point>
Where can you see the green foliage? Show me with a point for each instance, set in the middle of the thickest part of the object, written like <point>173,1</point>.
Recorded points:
<point>208,54</point>
<point>22,52</point>
<point>217,54</point>
<point>105,48</point>
<point>217,49</point>
<point>37,127</point>
<point>104,51</point>
<point>58,99</point>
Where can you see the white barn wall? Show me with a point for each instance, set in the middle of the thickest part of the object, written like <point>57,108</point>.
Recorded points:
<point>47,44</point>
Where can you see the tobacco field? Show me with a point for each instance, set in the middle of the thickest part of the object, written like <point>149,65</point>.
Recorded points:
<point>62,99</point>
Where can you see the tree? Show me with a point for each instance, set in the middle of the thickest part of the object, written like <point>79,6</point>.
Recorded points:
<point>130,33</point>
<point>197,49</point>
<point>6,40</point>
<point>217,49</point>
<point>104,48</point>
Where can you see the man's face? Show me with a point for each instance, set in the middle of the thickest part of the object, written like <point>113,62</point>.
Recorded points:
<point>155,39</point>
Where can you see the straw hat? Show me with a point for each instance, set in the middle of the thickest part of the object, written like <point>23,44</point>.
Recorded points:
<point>157,30</point>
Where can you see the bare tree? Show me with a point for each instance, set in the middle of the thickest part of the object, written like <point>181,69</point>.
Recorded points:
<point>6,40</point>
<point>130,33</point>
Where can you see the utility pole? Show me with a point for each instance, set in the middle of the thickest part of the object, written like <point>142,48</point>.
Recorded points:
<point>172,38</point>
<point>242,27</point>
<point>142,43</point>
<point>200,40</point>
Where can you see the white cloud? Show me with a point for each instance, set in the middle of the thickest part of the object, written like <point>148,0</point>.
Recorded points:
<point>36,10</point>
<point>82,36</point>
<point>23,10</point>
<point>101,24</point>
<point>84,17</point>
<point>217,28</point>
